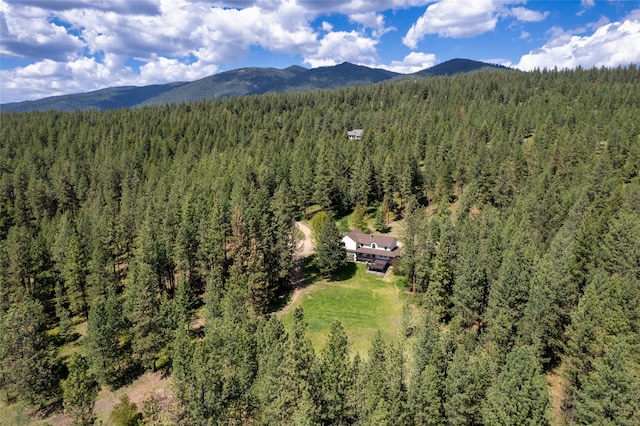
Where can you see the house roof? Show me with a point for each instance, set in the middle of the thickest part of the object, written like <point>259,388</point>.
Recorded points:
<point>379,252</point>
<point>378,265</point>
<point>380,240</point>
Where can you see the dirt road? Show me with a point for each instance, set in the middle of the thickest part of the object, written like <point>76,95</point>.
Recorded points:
<point>304,250</point>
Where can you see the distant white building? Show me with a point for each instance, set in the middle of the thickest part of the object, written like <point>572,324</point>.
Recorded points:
<point>355,134</point>
<point>377,251</point>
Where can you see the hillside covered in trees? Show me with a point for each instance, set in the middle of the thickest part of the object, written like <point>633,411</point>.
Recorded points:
<point>520,195</point>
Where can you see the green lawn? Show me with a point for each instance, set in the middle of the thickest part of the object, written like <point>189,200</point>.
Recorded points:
<point>361,301</point>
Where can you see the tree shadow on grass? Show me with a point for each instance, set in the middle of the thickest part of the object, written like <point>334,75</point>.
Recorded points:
<point>347,272</point>
<point>302,276</point>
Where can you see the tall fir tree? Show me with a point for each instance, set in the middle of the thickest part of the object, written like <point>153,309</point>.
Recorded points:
<point>519,393</point>
<point>330,254</point>
<point>80,391</point>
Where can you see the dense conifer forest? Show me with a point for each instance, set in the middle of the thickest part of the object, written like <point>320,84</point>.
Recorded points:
<point>520,196</point>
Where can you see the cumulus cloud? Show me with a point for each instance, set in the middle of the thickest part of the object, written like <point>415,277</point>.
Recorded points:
<point>528,15</point>
<point>23,37</point>
<point>413,62</point>
<point>585,5</point>
<point>174,39</point>
<point>454,18</point>
<point>340,46</point>
<point>611,45</point>
<point>462,18</point>
<point>147,7</point>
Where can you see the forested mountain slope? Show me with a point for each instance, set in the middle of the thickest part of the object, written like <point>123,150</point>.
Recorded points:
<point>527,258</point>
<point>239,82</point>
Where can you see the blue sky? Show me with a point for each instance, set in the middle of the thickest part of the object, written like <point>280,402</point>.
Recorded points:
<point>53,47</point>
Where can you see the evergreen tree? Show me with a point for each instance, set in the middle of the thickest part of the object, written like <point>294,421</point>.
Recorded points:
<point>64,317</point>
<point>427,407</point>
<point>74,272</point>
<point>271,346</point>
<point>518,395</point>
<point>295,386</point>
<point>142,310</point>
<point>441,279</point>
<point>375,408</point>
<point>336,380</point>
<point>609,394</point>
<point>80,391</point>
<point>397,387</point>
<point>125,412</point>
<point>380,220</point>
<point>466,385</point>
<point>28,367</point>
<point>330,255</point>
<point>102,341</point>
<point>359,219</point>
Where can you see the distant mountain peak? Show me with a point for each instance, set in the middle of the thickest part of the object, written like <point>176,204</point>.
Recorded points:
<point>238,82</point>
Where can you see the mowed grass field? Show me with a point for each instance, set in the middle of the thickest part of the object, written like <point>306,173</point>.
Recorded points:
<point>361,301</point>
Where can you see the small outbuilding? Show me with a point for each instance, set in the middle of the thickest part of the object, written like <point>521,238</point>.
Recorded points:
<point>355,134</point>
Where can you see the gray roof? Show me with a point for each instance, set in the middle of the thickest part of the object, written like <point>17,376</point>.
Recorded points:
<point>379,252</point>
<point>380,240</point>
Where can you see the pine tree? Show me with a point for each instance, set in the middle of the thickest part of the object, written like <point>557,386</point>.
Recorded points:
<point>466,385</point>
<point>397,393</point>
<point>295,391</point>
<point>74,273</point>
<point>28,367</point>
<point>335,379</point>
<point>102,341</point>
<point>330,255</point>
<point>441,279</point>
<point>375,407</point>
<point>80,391</point>
<point>64,317</point>
<point>125,412</point>
<point>519,393</point>
<point>271,344</point>
<point>142,310</point>
<point>609,394</point>
<point>427,408</point>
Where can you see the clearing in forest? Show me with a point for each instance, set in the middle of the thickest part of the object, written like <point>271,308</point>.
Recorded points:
<point>363,302</point>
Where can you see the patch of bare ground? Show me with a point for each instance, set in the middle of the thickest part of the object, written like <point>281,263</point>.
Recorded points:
<point>150,385</point>
<point>303,250</point>
<point>556,395</point>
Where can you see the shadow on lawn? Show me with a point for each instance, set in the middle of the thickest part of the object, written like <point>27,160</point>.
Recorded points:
<point>347,272</point>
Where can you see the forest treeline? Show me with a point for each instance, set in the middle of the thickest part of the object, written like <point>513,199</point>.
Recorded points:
<point>521,197</point>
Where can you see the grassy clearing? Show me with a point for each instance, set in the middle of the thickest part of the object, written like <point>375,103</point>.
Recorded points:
<point>362,302</point>
<point>14,414</point>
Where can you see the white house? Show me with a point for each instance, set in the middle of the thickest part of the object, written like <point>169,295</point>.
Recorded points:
<point>376,250</point>
<point>355,134</point>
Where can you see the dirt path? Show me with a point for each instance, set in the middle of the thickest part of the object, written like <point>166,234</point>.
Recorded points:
<point>304,250</point>
<point>140,389</point>
<point>305,247</point>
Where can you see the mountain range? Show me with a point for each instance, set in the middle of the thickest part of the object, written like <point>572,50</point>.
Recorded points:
<point>239,82</point>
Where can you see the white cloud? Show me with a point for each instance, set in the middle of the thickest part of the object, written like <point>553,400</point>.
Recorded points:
<point>587,4</point>
<point>528,15</point>
<point>413,62</point>
<point>611,45</point>
<point>90,43</point>
<point>340,46</point>
<point>24,37</point>
<point>454,18</point>
<point>634,15</point>
<point>463,18</point>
